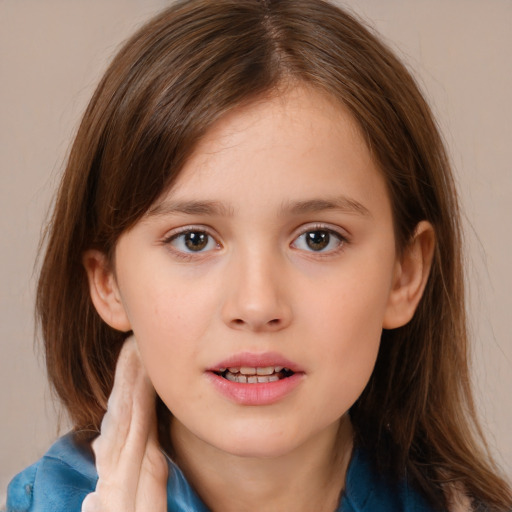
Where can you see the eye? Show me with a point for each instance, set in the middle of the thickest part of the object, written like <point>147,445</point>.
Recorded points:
<point>192,241</point>
<point>319,240</point>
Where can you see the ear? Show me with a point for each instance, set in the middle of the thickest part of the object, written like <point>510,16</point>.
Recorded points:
<point>104,291</point>
<point>410,277</point>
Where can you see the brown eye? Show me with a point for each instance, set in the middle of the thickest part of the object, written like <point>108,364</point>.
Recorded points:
<point>192,241</point>
<point>318,240</point>
<point>196,241</point>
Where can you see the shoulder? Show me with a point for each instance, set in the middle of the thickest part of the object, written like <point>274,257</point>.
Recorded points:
<point>58,482</point>
<point>368,491</point>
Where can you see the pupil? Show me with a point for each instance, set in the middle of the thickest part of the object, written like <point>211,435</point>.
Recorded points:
<point>317,240</point>
<point>196,241</point>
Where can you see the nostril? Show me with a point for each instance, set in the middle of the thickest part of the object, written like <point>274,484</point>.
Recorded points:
<point>257,325</point>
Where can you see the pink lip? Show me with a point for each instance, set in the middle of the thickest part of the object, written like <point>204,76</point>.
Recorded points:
<point>251,360</point>
<point>262,393</point>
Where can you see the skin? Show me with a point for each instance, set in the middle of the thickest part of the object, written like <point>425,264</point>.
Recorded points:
<point>132,471</point>
<point>257,286</point>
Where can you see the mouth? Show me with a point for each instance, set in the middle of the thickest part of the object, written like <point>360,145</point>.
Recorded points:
<point>255,375</point>
<point>256,379</point>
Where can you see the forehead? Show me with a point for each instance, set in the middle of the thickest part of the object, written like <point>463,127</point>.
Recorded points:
<point>292,147</point>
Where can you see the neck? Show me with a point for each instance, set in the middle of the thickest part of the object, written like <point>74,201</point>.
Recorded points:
<point>311,477</point>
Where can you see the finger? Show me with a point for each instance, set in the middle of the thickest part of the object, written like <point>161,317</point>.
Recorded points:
<point>131,391</point>
<point>92,503</point>
<point>152,489</point>
<point>121,447</point>
<point>130,406</point>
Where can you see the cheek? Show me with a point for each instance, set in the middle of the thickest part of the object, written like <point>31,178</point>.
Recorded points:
<point>349,306</point>
<point>346,326</point>
<point>160,299</point>
<point>348,337</point>
<point>169,315</point>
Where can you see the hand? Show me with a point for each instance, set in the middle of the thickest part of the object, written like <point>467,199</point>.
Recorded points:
<point>131,467</point>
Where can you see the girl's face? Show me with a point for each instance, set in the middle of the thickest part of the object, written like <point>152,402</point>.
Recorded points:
<point>275,249</point>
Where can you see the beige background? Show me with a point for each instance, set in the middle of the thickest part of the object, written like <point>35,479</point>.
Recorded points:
<point>52,53</point>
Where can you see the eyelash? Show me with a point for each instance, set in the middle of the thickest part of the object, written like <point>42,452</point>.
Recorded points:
<point>184,255</point>
<point>189,255</point>
<point>342,239</point>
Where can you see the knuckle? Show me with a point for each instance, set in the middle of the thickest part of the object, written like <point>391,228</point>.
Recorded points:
<point>92,503</point>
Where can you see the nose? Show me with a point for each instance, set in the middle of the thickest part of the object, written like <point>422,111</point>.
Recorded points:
<point>256,294</point>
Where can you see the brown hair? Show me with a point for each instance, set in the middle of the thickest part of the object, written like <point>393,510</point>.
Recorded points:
<point>169,83</point>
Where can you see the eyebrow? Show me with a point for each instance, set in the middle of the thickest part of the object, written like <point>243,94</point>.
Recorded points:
<point>216,208</point>
<point>170,207</point>
<point>342,203</point>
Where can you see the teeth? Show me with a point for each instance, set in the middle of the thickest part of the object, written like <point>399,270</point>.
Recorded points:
<point>249,370</point>
<point>247,375</point>
<point>268,370</point>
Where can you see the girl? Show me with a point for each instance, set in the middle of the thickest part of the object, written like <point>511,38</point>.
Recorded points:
<point>258,221</point>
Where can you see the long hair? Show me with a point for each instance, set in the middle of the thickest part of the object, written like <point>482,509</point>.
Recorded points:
<point>169,83</point>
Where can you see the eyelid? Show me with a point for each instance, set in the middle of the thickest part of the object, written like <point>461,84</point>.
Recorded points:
<point>337,231</point>
<point>190,255</point>
<point>322,226</point>
<point>200,228</point>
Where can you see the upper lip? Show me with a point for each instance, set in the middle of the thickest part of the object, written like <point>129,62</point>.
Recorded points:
<point>254,360</point>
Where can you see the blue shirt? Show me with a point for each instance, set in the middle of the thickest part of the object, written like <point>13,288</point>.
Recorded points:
<point>62,478</point>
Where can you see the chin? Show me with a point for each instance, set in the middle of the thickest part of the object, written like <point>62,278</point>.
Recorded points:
<point>258,443</point>
<point>264,450</point>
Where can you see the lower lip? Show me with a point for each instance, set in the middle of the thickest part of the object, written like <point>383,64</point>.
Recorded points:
<point>261,393</point>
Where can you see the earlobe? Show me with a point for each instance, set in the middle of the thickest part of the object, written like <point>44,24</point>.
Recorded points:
<point>104,291</point>
<point>411,276</point>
